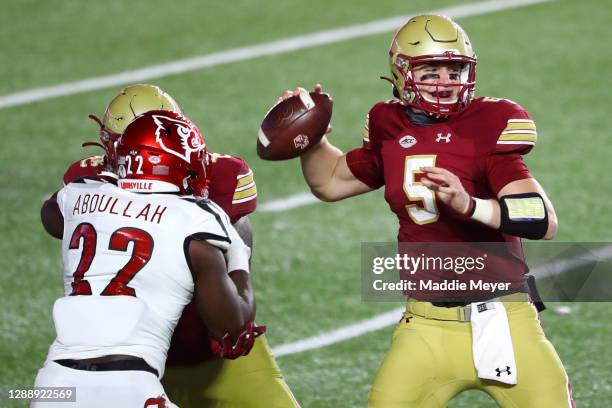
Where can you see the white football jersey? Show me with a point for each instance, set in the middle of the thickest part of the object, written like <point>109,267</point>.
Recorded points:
<point>127,276</point>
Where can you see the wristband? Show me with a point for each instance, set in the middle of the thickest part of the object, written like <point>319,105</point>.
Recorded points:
<point>482,211</point>
<point>470,207</point>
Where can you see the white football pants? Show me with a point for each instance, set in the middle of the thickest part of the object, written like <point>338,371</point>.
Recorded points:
<point>103,389</point>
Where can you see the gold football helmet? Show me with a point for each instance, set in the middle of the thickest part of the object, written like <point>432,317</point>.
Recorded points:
<point>131,102</point>
<point>430,39</point>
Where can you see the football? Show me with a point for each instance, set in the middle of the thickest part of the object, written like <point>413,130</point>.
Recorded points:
<point>294,125</point>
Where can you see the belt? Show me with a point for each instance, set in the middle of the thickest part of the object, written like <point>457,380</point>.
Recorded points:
<point>450,302</point>
<point>135,364</point>
<point>458,313</point>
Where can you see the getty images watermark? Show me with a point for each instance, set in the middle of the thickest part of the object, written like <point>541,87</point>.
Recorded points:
<point>38,394</point>
<point>427,265</point>
<point>449,272</point>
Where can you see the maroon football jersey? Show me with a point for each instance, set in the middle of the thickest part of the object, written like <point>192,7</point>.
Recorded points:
<point>233,188</point>
<point>90,166</point>
<point>232,185</point>
<point>482,146</point>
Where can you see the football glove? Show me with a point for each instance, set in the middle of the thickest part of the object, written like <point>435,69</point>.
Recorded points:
<point>244,343</point>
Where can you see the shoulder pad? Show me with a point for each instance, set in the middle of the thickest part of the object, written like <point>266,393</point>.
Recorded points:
<point>96,178</point>
<point>245,187</point>
<point>227,163</point>
<point>89,166</point>
<point>379,114</point>
<point>209,207</point>
<point>232,186</point>
<point>218,157</point>
<point>212,226</point>
<point>512,128</point>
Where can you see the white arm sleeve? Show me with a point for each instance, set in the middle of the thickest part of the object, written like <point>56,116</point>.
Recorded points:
<point>238,253</point>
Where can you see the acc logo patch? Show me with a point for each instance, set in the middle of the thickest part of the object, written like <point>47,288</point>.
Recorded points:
<point>407,141</point>
<point>191,141</point>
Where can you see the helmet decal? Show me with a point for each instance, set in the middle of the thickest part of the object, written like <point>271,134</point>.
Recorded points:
<point>191,141</point>
<point>167,150</point>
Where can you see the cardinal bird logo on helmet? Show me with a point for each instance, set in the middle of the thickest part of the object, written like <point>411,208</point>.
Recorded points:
<point>190,139</point>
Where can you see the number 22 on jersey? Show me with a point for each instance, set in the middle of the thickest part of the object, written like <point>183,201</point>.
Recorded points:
<point>416,191</point>
<point>119,241</point>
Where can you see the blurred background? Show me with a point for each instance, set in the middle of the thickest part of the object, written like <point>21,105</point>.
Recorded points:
<point>552,57</point>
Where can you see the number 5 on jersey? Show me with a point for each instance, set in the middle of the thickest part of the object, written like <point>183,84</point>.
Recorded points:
<point>416,191</point>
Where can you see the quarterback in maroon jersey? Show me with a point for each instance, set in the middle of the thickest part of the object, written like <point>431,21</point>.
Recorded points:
<point>452,169</point>
<point>194,376</point>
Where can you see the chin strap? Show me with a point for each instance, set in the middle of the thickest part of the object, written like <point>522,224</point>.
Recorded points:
<point>395,92</point>
<point>97,120</point>
<point>87,144</point>
<point>387,79</point>
<point>98,144</point>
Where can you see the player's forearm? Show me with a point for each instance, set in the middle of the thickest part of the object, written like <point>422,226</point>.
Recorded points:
<point>531,208</point>
<point>487,212</point>
<point>220,306</point>
<point>217,298</point>
<point>553,223</point>
<point>238,261</point>
<point>490,213</point>
<point>318,166</point>
<point>245,293</point>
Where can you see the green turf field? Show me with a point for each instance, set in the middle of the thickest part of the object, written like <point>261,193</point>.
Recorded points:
<point>553,58</point>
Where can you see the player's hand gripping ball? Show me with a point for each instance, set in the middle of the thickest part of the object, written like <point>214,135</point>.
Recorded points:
<point>244,343</point>
<point>294,125</point>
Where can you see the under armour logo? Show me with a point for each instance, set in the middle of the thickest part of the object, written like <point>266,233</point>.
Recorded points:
<point>446,138</point>
<point>499,372</point>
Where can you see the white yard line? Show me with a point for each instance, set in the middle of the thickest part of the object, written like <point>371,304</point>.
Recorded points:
<point>341,334</point>
<point>288,203</point>
<point>246,53</point>
<point>392,317</point>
